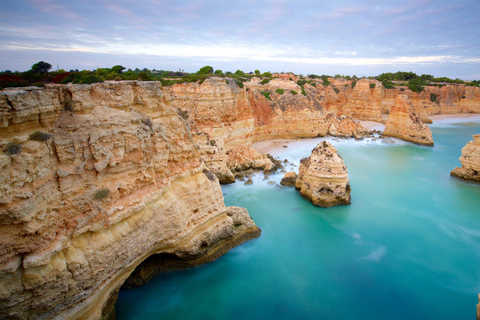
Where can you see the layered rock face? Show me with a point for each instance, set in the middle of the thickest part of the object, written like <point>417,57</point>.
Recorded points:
<point>405,124</point>
<point>119,179</point>
<point>470,160</point>
<point>323,177</point>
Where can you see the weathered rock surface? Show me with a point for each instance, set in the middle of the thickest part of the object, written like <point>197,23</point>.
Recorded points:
<point>323,177</point>
<point>470,160</point>
<point>289,179</point>
<point>64,253</point>
<point>404,123</point>
<point>66,250</point>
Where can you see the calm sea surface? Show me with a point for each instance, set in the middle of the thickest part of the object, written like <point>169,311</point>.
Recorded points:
<point>408,247</point>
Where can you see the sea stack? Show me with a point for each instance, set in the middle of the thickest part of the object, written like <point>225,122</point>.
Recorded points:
<point>470,160</point>
<point>404,123</point>
<point>323,177</point>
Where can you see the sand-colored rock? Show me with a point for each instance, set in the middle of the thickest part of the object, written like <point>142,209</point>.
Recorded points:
<point>323,177</point>
<point>404,123</point>
<point>65,252</point>
<point>470,160</point>
<point>242,158</point>
<point>289,179</point>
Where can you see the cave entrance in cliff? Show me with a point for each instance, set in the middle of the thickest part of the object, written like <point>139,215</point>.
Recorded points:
<point>153,265</point>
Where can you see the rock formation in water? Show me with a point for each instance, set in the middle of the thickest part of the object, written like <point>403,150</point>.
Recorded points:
<point>323,177</point>
<point>289,179</point>
<point>94,180</point>
<point>470,160</point>
<point>404,123</point>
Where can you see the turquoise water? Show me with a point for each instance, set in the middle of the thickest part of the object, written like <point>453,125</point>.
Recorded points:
<point>408,247</point>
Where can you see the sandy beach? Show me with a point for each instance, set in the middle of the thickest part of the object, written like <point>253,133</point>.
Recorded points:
<point>270,145</point>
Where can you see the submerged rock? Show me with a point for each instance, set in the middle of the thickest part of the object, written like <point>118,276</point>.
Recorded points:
<point>249,181</point>
<point>470,160</point>
<point>404,123</point>
<point>323,177</point>
<point>289,179</point>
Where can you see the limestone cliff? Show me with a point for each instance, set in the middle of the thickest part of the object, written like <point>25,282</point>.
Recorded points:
<point>404,123</point>
<point>323,177</point>
<point>470,160</point>
<point>112,177</point>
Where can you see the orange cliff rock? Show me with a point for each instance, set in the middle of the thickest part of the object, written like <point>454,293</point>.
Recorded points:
<point>405,124</point>
<point>323,177</point>
<point>66,248</point>
<point>470,160</point>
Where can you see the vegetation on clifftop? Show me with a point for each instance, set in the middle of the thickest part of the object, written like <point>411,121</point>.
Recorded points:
<point>40,74</point>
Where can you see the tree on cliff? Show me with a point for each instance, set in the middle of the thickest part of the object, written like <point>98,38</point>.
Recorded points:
<point>41,67</point>
<point>118,69</point>
<point>205,70</point>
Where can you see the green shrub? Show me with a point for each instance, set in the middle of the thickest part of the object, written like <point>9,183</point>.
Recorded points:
<point>265,81</point>
<point>388,84</point>
<point>336,90</point>
<point>118,78</point>
<point>313,84</point>
<point>39,136</point>
<point>416,85</point>
<point>226,80</point>
<point>293,92</point>
<point>280,91</point>
<point>301,82</point>
<point>325,80</point>
<point>346,85</point>
<point>266,94</point>
<point>354,83</point>
<point>372,85</point>
<point>239,83</point>
<point>39,84</point>
<point>433,97</point>
<point>101,194</point>
<point>13,148</point>
<point>303,92</point>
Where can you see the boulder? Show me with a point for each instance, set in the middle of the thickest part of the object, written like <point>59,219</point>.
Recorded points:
<point>289,179</point>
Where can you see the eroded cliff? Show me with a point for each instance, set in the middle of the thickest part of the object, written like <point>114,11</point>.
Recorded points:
<point>118,179</point>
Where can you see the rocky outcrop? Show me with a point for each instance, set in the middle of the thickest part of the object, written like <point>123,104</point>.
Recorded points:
<point>243,158</point>
<point>323,177</point>
<point>289,179</point>
<point>117,179</point>
<point>470,160</point>
<point>404,123</point>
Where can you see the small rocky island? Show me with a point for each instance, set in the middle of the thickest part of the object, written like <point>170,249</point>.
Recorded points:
<point>470,160</point>
<point>323,177</point>
<point>404,123</point>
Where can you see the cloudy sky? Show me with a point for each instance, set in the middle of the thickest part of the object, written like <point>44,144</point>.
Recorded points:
<point>348,37</point>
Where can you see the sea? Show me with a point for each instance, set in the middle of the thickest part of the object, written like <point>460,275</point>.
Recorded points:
<point>408,247</point>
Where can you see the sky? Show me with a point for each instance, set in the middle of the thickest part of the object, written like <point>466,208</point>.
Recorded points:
<point>348,37</point>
